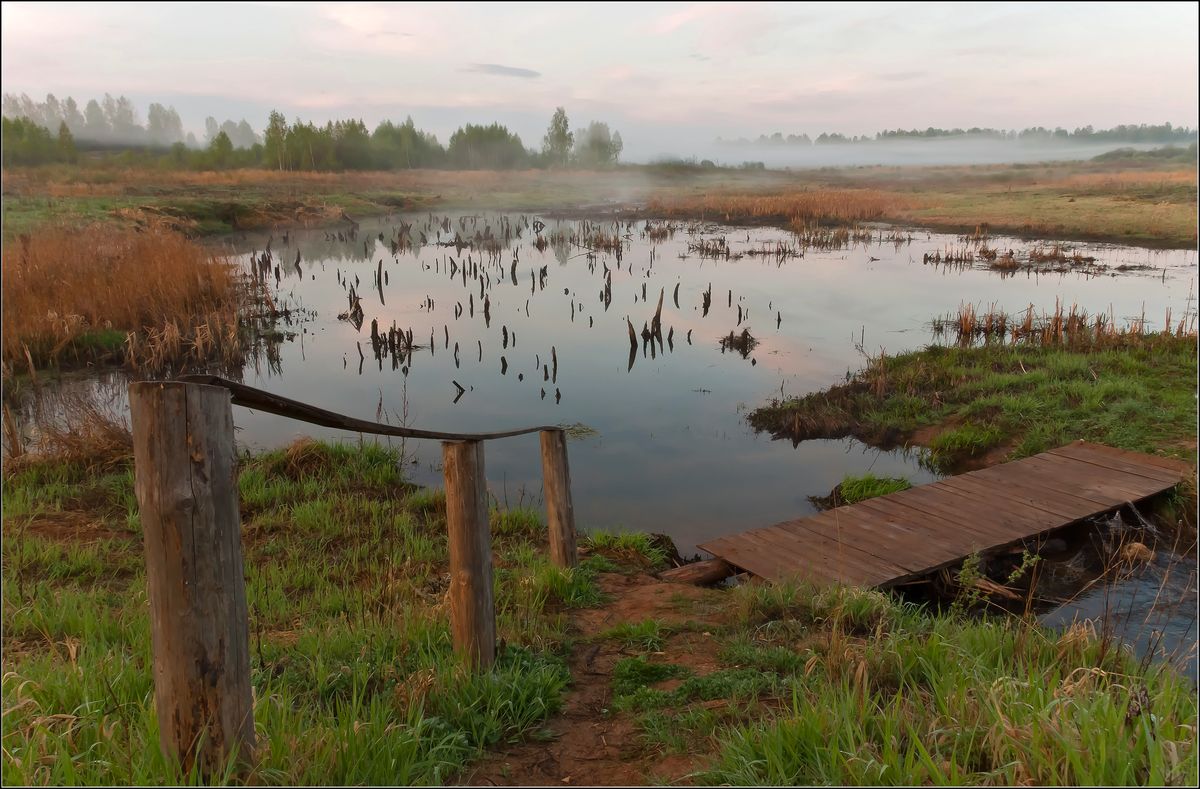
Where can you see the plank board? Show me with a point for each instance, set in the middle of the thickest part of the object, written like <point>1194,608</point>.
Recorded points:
<point>904,535</point>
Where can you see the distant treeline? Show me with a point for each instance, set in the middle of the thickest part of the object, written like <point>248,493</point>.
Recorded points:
<point>52,131</point>
<point>1126,133</point>
<point>115,122</point>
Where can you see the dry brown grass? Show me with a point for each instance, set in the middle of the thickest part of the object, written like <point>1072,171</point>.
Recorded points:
<point>69,427</point>
<point>1129,179</point>
<point>138,181</point>
<point>1072,328</point>
<point>69,295</point>
<point>842,206</point>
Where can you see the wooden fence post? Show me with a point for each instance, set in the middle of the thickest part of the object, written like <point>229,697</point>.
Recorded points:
<point>560,512</point>
<point>472,607</point>
<point>186,484</point>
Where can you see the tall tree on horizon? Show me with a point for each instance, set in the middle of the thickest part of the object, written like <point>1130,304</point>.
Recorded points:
<point>557,143</point>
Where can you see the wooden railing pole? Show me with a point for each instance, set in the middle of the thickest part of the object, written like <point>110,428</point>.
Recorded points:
<point>186,485</point>
<point>560,512</point>
<point>472,607</point>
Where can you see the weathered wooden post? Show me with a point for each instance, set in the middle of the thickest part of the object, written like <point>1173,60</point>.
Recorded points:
<point>560,512</point>
<point>472,607</point>
<point>186,484</point>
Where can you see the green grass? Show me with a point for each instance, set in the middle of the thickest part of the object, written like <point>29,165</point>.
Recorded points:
<point>649,635</point>
<point>626,545</point>
<point>635,674</point>
<point>352,664</point>
<point>855,489</point>
<point>355,679</point>
<point>848,687</point>
<point>1140,395</point>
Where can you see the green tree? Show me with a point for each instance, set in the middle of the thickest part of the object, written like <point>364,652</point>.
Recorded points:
<point>220,151</point>
<point>66,143</point>
<point>556,145</point>
<point>596,146</point>
<point>275,147</point>
<point>491,147</point>
<point>22,141</point>
<point>95,124</point>
<point>405,147</point>
<point>352,145</point>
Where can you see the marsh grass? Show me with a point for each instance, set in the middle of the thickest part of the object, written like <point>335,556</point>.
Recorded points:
<point>945,699</point>
<point>150,299</point>
<point>354,676</point>
<point>798,208</point>
<point>1063,379</point>
<point>355,680</point>
<point>849,687</point>
<point>69,428</point>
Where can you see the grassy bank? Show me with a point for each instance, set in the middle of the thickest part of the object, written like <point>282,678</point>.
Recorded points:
<point>1009,399</point>
<point>355,681</point>
<point>353,672</point>
<point>74,296</point>
<point>1118,199</point>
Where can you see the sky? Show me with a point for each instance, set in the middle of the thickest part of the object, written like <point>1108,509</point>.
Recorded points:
<point>661,73</point>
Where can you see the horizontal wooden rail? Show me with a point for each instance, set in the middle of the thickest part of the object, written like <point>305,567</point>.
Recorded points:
<point>250,397</point>
<point>472,611</point>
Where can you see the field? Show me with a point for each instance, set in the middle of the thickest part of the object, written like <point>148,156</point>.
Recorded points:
<point>1126,200</point>
<point>606,673</point>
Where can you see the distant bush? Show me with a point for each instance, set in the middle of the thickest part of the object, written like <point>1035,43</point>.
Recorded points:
<point>1168,153</point>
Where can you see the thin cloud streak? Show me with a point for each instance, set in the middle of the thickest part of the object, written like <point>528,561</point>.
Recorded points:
<point>498,70</point>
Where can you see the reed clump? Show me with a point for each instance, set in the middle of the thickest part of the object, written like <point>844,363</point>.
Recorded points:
<point>1071,328</point>
<point>70,427</point>
<point>813,235</point>
<point>150,299</point>
<point>742,344</point>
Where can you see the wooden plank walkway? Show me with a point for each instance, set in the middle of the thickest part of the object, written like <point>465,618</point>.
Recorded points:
<point>887,540</point>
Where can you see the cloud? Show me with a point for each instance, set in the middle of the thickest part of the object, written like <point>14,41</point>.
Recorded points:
<point>369,28</point>
<point>902,76</point>
<point>498,70</point>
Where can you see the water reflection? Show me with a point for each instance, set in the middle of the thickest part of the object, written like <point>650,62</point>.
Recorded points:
<point>687,326</point>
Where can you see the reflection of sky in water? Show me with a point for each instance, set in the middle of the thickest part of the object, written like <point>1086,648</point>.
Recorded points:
<point>1152,610</point>
<point>673,453</point>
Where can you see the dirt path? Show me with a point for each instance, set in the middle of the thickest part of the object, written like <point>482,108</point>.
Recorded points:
<point>587,743</point>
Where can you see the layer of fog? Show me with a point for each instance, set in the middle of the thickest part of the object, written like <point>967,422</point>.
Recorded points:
<point>938,151</point>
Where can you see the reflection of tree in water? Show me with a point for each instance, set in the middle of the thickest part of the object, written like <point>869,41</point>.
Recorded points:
<point>338,244</point>
<point>562,248</point>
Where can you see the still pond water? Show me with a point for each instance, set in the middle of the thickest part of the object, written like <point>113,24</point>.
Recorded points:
<point>671,451</point>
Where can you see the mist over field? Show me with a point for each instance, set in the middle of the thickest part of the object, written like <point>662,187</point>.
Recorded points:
<point>115,123</point>
<point>940,151</point>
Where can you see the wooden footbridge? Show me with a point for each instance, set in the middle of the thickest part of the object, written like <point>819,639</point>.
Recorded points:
<point>902,536</point>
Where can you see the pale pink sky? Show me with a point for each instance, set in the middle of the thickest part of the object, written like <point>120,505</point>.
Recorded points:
<point>660,72</point>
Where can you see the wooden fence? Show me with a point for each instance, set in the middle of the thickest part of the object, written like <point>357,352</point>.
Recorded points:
<point>187,492</point>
